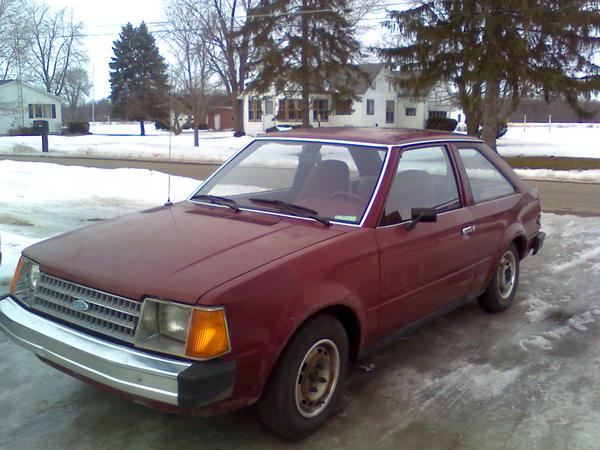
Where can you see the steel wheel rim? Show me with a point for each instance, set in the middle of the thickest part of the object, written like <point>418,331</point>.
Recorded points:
<point>507,274</point>
<point>317,378</point>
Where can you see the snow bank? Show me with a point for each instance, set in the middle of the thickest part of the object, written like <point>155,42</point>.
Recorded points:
<point>123,141</point>
<point>569,140</point>
<point>587,176</point>
<point>39,200</point>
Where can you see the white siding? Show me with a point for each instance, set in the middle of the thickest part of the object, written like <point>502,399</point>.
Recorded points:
<point>380,93</point>
<point>10,112</point>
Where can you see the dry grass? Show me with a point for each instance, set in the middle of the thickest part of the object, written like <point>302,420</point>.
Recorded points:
<point>554,163</point>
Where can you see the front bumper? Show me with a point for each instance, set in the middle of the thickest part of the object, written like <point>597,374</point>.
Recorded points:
<point>130,371</point>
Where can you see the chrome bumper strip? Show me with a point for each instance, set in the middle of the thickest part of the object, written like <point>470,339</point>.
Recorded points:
<point>116,366</point>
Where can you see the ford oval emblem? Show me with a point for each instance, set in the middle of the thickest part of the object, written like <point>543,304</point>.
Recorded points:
<point>80,305</point>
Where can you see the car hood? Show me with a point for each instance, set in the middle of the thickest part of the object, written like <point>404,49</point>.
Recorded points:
<point>176,252</point>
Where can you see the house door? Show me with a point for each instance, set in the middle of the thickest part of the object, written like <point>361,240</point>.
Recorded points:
<point>218,121</point>
<point>269,115</point>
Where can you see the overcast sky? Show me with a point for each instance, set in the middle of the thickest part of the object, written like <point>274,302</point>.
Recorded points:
<point>103,20</point>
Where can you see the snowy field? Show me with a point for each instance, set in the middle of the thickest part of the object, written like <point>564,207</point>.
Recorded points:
<point>561,139</point>
<point>524,379</point>
<point>122,140</point>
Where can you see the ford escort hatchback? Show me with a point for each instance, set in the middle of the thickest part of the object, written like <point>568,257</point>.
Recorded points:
<point>305,250</point>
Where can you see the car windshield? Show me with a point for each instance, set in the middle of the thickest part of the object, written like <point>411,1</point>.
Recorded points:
<point>326,181</point>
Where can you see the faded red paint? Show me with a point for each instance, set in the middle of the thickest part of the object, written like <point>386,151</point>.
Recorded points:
<point>272,273</point>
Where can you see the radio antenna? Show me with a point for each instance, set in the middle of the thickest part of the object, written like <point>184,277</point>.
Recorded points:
<point>169,203</point>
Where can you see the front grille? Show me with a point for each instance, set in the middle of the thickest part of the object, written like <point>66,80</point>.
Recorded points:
<point>107,314</point>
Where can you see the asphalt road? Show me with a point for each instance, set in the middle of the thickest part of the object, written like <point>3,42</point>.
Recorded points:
<point>557,196</point>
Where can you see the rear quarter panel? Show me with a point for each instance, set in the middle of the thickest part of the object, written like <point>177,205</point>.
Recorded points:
<point>501,221</point>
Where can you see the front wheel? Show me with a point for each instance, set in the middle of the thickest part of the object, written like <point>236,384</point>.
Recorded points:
<point>502,288</point>
<point>306,383</point>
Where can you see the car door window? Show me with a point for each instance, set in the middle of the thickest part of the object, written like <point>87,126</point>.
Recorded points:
<point>424,179</point>
<point>486,181</point>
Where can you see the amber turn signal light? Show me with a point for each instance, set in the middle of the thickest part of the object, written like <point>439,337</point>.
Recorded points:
<point>207,335</point>
<point>15,279</point>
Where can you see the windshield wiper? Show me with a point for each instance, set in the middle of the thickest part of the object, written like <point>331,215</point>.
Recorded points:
<point>292,208</point>
<point>223,201</point>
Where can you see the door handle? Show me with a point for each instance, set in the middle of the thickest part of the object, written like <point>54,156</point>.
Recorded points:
<point>467,230</point>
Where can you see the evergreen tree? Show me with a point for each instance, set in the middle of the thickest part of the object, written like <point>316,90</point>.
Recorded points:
<point>491,50</point>
<point>138,78</point>
<point>305,47</point>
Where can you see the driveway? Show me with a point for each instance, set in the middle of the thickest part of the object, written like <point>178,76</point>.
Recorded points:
<point>527,378</point>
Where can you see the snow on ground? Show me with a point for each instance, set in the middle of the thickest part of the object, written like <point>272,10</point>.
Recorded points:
<point>584,176</point>
<point>39,200</point>
<point>118,140</point>
<point>122,140</point>
<point>561,139</point>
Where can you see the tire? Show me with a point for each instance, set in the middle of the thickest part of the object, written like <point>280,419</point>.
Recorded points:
<point>294,404</point>
<point>502,288</point>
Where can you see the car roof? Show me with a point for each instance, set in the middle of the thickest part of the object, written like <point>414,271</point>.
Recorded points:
<point>371,135</point>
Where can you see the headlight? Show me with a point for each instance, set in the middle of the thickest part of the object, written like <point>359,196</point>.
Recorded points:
<point>191,332</point>
<point>25,279</point>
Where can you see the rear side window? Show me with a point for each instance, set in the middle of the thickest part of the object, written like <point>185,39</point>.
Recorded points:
<point>424,179</point>
<point>486,181</point>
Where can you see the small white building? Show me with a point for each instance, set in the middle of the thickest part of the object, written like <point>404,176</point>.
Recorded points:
<point>379,104</point>
<point>21,104</point>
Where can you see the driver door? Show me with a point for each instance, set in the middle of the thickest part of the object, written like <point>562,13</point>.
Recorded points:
<point>425,269</point>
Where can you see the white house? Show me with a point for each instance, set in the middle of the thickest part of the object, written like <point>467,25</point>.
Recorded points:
<point>21,104</point>
<point>379,104</point>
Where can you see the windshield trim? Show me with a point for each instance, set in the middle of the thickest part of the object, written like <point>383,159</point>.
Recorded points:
<point>384,168</point>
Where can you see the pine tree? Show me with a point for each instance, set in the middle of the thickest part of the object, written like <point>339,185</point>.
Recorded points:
<point>305,47</point>
<point>495,50</point>
<point>138,77</point>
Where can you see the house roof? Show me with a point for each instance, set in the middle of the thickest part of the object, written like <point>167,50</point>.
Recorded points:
<point>41,91</point>
<point>371,70</point>
<point>373,135</point>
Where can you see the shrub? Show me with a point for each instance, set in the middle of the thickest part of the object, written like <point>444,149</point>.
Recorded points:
<point>441,123</point>
<point>78,128</point>
<point>161,125</point>
<point>23,131</point>
<point>239,134</point>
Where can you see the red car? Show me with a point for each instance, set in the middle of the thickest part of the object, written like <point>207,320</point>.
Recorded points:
<point>305,250</point>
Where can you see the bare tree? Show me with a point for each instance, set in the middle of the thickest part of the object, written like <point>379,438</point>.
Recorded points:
<point>14,39</point>
<point>56,45</point>
<point>188,37</point>
<point>228,44</point>
<point>77,86</point>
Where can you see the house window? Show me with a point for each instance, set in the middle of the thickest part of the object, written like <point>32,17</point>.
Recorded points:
<point>389,111</point>
<point>370,107</point>
<point>437,113</point>
<point>42,111</point>
<point>254,109</point>
<point>289,110</point>
<point>321,110</point>
<point>268,107</point>
<point>343,107</point>
<point>411,111</point>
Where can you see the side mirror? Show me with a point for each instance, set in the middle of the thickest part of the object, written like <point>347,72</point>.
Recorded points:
<point>421,215</point>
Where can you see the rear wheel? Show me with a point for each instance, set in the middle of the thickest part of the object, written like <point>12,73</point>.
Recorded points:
<point>306,383</point>
<point>502,288</point>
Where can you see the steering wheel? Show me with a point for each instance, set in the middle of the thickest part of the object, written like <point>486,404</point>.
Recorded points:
<point>351,195</point>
